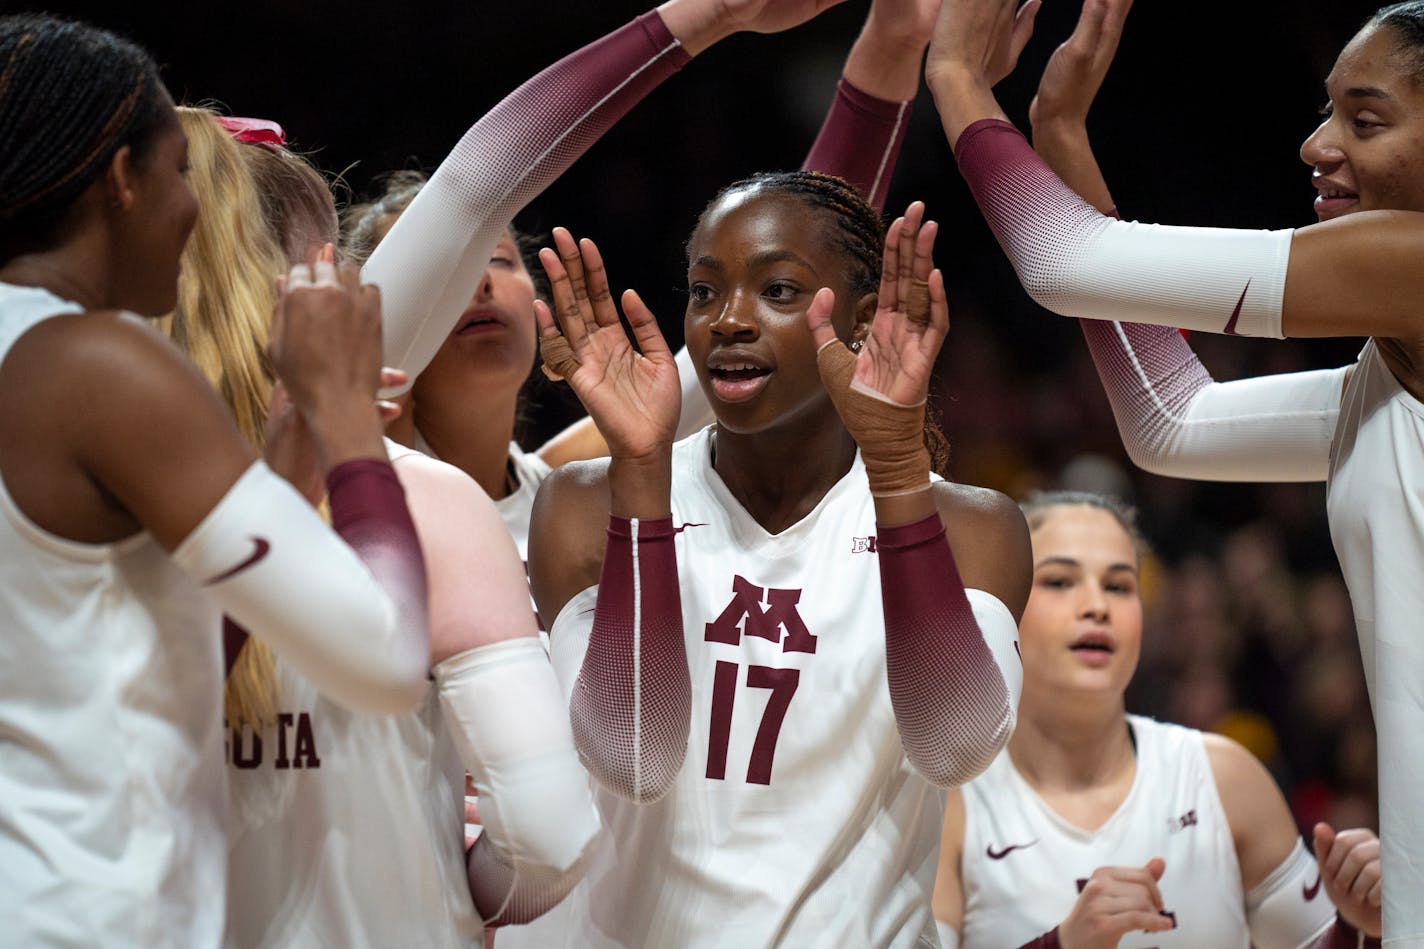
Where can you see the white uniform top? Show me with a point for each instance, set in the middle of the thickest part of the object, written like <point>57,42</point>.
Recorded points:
<point>346,828</point>
<point>528,471</point>
<point>1023,865</point>
<point>111,812</point>
<point>1375,502</point>
<point>796,819</point>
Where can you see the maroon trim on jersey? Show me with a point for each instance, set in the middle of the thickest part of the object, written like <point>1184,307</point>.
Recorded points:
<point>1344,936</point>
<point>949,697</point>
<point>860,141</point>
<point>234,638</point>
<point>1048,940</point>
<point>632,704</point>
<point>368,511</point>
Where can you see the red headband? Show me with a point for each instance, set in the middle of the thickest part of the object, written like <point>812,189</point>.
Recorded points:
<point>255,131</point>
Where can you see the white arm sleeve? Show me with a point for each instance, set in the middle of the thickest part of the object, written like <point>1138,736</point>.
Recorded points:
<point>280,572</point>
<point>1001,635</point>
<point>434,256</point>
<point>512,729</point>
<point>696,410</point>
<point>1289,909</point>
<point>1076,261</point>
<point>1176,420</point>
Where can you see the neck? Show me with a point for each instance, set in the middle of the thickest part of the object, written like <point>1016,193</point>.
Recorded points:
<point>1073,745</point>
<point>768,471</point>
<point>473,434</point>
<point>61,272</point>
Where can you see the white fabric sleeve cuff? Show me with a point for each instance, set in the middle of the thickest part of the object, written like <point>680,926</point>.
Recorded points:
<point>280,572</point>
<point>1289,909</point>
<point>511,726</point>
<point>1001,635</point>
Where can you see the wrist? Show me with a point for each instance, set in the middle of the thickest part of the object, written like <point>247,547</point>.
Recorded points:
<point>641,486</point>
<point>695,24</point>
<point>346,431</point>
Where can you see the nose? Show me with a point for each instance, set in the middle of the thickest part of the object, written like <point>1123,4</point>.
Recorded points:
<point>486,288</point>
<point>736,319</point>
<point>1095,602</point>
<point>1321,149</point>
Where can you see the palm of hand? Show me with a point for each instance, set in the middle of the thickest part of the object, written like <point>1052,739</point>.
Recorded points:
<point>898,358</point>
<point>634,399</point>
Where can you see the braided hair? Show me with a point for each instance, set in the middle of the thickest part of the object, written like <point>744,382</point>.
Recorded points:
<point>857,229</point>
<point>1407,21</point>
<point>71,95</point>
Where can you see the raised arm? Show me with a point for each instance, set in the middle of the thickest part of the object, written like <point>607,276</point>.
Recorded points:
<point>498,692</point>
<point>631,700</point>
<point>952,665</point>
<point>1355,276</point>
<point>430,263</point>
<point>1174,419</point>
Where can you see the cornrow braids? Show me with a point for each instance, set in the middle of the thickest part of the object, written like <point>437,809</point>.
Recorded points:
<point>71,95</point>
<point>1406,20</point>
<point>857,227</point>
<point>859,231</point>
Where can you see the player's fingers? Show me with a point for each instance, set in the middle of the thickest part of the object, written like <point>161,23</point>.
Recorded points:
<point>1023,28</point>
<point>573,262</point>
<point>567,313</point>
<point>818,316</point>
<point>596,285</point>
<point>645,326</point>
<point>939,307</point>
<point>905,252</point>
<point>889,297</point>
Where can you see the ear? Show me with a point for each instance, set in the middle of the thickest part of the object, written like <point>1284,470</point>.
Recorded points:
<point>863,317</point>
<point>120,180</point>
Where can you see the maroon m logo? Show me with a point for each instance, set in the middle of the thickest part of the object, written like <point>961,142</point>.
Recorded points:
<point>766,622</point>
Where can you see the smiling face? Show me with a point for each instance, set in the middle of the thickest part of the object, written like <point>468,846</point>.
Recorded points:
<point>494,341</point>
<point>1082,627</point>
<point>756,261</point>
<point>1368,154</point>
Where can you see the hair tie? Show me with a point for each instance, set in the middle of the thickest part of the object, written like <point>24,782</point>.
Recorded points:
<point>253,131</point>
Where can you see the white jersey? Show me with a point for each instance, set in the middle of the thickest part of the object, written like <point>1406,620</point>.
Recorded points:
<point>111,812</point>
<point>346,828</point>
<point>796,818</point>
<point>1023,865</point>
<point>1375,501</point>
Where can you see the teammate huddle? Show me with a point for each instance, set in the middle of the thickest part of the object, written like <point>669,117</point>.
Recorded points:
<point>775,633</point>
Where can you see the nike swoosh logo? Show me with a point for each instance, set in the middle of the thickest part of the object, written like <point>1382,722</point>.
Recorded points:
<point>1310,892</point>
<point>684,527</point>
<point>1236,313</point>
<point>261,547</point>
<point>992,855</point>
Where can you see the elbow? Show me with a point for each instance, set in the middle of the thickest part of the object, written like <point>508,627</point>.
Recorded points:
<point>644,777</point>
<point>949,764</point>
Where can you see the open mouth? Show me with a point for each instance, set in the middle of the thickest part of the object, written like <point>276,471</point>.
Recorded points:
<point>737,380</point>
<point>1093,647</point>
<point>478,324</point>
<point>1332,202</point>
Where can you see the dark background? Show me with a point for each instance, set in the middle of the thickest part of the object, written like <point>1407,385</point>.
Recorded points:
<point>1200,123</point>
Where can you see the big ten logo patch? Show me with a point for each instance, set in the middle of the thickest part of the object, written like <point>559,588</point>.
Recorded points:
<point>293,738</point>
<point>862,545</point>
<point>769,614</point>
<point>1189,819</point>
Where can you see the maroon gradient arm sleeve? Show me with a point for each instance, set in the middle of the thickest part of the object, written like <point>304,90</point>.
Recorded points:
<point>369,513</point>
<point>1048,940</point>
<point>631,704</point>
<point>860,141</point>
<point>1344,936</point>
<point>952,699</point>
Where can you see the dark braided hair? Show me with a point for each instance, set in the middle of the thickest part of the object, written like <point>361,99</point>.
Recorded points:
<point>858,231</point>
<point>1407,21</point>
<point>71,95</point>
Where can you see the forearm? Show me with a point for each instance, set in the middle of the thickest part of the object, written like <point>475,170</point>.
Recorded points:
<point>952,665</point>
<point>511,726</point>
<point>1075,261</point>
<point>860,140</point>
<point>631,703</point>
<point>350,617</point>
<point>433,258</point>
<point>1175,420</point>
<point>1064,145</point>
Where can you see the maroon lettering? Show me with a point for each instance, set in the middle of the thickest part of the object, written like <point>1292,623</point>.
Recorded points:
<point>305,755</point>
<point>745,614</point>
<point>253,757</point>
<point>284,722</point>
<point>719,735</point>
<point>782,683</point>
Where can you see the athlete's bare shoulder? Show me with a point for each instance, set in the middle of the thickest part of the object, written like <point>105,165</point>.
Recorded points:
<point>568,532</point>
<point>989,537</point>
